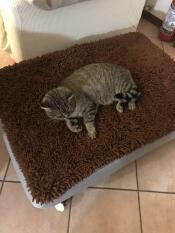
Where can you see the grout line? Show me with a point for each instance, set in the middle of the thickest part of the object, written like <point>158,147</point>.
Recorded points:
<point>154,191</point>
<point>113,189</point>
<point>137,180</point>
<point>132,190</point>
<point>151,37</point>
<point>138,195</point>
<point>68,224</point>
<point>1,187</point>
<point>4,176</point>
<point>11,181</point>
<point>140,213</point>
<point>6,170</point>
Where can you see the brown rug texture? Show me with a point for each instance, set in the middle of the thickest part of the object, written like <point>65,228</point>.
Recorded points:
<point>52,158</point>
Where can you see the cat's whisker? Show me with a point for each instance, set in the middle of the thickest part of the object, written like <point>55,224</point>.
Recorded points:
<point>52,121</point>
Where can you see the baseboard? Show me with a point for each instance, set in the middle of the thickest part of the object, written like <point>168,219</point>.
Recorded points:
<point>151,18</point>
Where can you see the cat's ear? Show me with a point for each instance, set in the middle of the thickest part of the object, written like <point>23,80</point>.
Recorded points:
<point>46,105</point>
<point>71,100</point>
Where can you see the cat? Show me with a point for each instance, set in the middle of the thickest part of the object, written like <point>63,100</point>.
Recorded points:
<point>81,93</point>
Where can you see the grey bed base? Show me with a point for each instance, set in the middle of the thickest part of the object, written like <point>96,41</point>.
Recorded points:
<point>97,176</point>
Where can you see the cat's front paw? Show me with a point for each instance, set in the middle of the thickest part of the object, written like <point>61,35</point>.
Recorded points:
<point>77,128</point>
<point>92,134</point>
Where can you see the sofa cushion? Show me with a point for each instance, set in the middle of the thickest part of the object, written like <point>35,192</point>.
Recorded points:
<point>52,4</point>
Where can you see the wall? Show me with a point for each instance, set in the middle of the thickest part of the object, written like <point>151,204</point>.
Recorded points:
<point>159,7</point>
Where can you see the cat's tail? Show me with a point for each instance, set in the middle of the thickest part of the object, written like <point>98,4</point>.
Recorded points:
<point>131,95</point>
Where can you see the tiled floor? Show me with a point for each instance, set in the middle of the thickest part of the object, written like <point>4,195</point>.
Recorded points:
<point>140,198</point>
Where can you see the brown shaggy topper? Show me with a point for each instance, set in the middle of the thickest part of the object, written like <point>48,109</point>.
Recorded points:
<point>52,158</point>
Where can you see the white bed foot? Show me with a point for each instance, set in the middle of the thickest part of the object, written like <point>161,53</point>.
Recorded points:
<point>59,207</point>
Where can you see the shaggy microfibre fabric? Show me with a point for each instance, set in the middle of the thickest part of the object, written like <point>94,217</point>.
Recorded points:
<point>52,158</point>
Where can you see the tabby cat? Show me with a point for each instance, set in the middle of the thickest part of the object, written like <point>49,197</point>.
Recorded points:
<point>80,94</point>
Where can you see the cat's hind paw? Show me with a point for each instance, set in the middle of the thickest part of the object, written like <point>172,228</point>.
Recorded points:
<point>131,106</point>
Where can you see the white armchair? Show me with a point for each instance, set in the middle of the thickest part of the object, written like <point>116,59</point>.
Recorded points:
<point>27,31</point>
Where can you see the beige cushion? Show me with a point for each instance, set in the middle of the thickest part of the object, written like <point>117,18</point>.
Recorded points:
<point>32,31</point>
<point>52,4</point>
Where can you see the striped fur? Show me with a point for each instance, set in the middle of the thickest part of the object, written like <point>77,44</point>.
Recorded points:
<point>80,94</point>
<point>126,97</point>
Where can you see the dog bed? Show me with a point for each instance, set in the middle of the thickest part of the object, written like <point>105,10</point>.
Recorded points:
<point>53,163</point>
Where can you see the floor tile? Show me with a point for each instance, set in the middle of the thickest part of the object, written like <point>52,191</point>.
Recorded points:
<point>125,178</point>
<point>150,31</point>
<point>106,211</point>
<point>158,212</point>
<point>4,158</point>
<point>5,59</point>
<point>169,49</point>
<point>147,28</point>
<point>18,215</point>
<point>157,42</point>
<point>11,174</point>
<point>156,169</point>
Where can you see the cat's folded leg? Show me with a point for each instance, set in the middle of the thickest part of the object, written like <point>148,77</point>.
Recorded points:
<point>90,126</point>
<point>89,120</point>
<point>74,125</point>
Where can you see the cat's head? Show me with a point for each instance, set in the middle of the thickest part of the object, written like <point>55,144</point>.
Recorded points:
<point>59,103</point>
